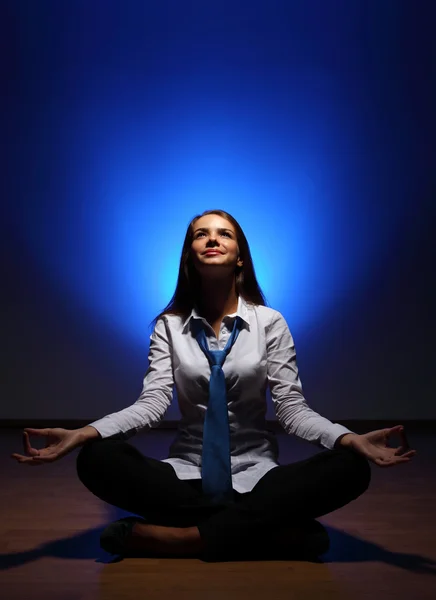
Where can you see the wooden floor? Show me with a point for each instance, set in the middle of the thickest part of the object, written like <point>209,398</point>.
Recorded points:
<point>383,545</point>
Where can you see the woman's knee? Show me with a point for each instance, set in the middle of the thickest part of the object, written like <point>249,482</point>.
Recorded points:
<point>94,455</point>
<point>358,470</point>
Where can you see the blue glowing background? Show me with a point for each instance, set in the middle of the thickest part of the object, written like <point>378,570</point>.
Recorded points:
<point>141,119</point>
<point>301,119</point>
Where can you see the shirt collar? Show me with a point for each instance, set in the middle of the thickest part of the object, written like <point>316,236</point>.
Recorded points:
<point>242,311</point>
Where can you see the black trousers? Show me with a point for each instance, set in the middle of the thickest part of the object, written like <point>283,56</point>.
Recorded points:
<point>119,474</point>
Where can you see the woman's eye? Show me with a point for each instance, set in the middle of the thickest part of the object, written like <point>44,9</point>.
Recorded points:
<point>223,233</point>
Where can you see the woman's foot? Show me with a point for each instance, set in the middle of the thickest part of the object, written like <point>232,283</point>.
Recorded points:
<point>306,539</point>
<point>174,541</point>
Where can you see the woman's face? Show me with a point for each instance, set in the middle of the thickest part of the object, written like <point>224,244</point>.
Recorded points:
<point>213,232</point>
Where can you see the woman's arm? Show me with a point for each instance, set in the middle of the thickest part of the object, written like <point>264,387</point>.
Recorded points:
<point>290,405</point>
<point>156,395</point>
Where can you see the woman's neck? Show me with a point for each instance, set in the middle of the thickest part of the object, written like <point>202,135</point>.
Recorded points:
<point>218,299</point>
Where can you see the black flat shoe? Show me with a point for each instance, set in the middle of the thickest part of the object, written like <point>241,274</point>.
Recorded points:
<point>114,537</point>
<point>315,542</point>
<point>310,543</point>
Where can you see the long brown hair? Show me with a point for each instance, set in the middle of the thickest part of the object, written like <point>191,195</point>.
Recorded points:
<point>188,282</point>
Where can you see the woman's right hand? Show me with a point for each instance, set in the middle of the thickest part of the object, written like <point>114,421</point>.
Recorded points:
<point>59,442</point>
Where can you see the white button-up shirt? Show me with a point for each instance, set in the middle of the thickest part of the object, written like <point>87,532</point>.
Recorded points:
<point>263,355</point>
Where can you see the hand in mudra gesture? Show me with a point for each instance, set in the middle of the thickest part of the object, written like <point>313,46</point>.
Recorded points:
<point>374,446</point>
<point>59,442</point>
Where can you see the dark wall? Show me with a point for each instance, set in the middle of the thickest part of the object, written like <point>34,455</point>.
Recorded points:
<point>373,356</point>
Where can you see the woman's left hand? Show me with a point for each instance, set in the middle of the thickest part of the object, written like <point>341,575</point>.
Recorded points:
<point>374,446</point>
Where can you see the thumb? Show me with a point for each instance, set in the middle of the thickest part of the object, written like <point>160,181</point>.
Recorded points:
<point>396,428</point>
<point>42,432</point>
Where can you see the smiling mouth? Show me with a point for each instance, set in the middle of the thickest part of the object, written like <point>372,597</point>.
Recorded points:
<point>212,252</point>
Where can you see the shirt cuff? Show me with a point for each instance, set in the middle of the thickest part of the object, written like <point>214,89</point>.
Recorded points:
<point>330,435</point>
<point>105,427</point>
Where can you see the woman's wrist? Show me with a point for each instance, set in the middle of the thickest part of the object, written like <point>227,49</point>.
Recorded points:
<point>345,440</point>
<point>89,432</point>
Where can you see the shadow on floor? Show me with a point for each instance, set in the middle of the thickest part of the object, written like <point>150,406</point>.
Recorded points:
<point>344,548</point>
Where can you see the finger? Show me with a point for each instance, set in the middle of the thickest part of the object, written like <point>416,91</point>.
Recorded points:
<point>30,460</point>
<point>41,432</point>
<point>48,457</point>
<point>404,438</point>
<point>20,457</point>
<point>393,430</point>
<point>26,443</point>
<point>403,451</point>
<point>381,463</point>
<point>27,447</point>
<point>410,453</point>
<point>399,454</point>
<point>400,430</point>
<point>391,462</point>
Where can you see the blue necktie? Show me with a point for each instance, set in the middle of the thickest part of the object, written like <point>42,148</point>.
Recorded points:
<point>216,471</point>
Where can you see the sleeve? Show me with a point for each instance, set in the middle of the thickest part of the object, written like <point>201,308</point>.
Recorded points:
<point>291,408</point>
<point>156,395</point>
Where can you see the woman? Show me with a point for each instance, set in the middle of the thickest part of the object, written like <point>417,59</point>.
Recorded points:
<point>268,506</point>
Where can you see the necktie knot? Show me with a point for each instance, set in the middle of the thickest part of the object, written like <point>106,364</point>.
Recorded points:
<point>217,357</point>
